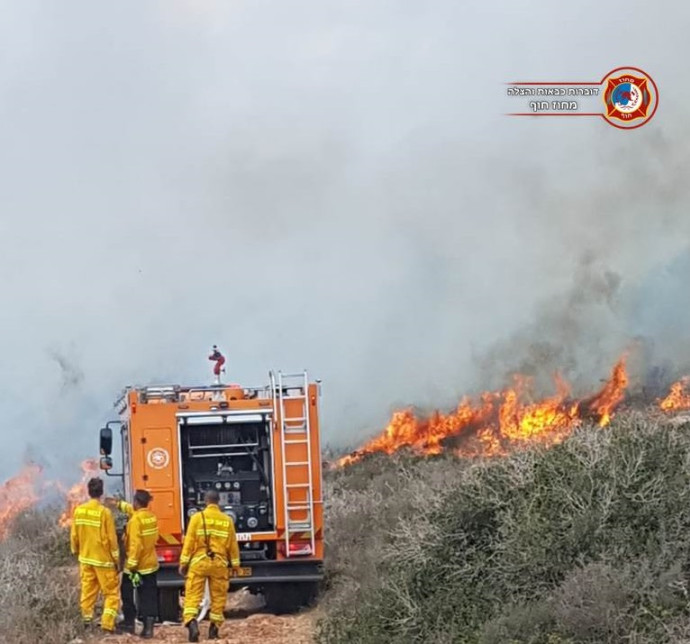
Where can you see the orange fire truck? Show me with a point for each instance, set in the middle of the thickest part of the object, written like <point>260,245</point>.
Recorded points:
<point>259,448</point>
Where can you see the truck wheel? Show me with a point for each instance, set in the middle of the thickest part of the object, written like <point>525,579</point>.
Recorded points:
<point>168,605</point>
<point>287,598</point>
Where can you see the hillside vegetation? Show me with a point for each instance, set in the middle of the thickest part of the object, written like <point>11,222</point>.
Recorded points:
<point>583,542</point>
<point>39,583</point>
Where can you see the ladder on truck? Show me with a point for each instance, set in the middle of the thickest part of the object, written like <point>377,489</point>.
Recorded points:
<point>295,430</point>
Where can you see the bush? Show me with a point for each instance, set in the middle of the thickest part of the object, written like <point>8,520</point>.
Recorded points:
<point>583,542</point>
<point>39,584</point>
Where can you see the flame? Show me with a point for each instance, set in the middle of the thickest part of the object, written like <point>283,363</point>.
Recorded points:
<point>78,493</point>
<point>678,398</point>
<point>17,495</point>
<point>524,422</point>
<point>611,395</point>
<point>23,491</point>
<point>498,421</point>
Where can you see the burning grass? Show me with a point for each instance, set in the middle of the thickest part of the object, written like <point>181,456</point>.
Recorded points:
<point>39,580</point>
<point>498,421</point>
<point>586,541</point>
<point>17,495</point>
<point>678,398</point>
<point>28,488</point>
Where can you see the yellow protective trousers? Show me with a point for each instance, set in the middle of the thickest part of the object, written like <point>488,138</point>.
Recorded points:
<point>95,579</point>
<point>218,575</point>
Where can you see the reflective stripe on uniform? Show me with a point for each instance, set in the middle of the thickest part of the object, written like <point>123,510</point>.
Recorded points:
<point>204,555</point>
<point>95,562</point>
<point>223,534</point>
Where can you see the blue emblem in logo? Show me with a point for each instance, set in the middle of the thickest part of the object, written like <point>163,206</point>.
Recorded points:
<point>622,94</point>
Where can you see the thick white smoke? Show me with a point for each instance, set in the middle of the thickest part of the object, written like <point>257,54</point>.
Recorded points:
<point>329,185</point>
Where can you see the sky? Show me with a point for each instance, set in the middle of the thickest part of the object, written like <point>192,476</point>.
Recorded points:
<point>324,185</point>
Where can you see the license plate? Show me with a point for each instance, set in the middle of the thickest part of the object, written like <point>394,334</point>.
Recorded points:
<point>241,572</point>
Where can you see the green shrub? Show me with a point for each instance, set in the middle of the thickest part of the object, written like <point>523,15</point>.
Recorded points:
<point>582,542</point>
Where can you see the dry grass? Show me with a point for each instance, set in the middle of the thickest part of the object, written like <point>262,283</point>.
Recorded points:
<point>39,585</point>
<point>584,542</point>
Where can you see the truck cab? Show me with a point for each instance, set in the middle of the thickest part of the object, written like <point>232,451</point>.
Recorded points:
<point>259,448</point>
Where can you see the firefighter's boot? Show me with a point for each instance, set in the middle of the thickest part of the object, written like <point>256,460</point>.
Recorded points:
<point>193,628</point>
<point>213,632</point>
<point>147,631</point>
<point>125,627</point>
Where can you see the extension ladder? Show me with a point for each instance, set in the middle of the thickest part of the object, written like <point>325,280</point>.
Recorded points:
<point>295,430</point>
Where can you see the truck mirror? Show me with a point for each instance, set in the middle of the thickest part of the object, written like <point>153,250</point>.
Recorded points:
<point>106,441</point>
<point>106,463</point>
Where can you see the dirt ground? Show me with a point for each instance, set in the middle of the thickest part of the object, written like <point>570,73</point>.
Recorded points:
<point>246,622</point>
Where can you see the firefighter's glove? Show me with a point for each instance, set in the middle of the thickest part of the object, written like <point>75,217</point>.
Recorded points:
<point>135,578</point>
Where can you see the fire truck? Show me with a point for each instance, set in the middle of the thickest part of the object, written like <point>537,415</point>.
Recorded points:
<point>259,448</point>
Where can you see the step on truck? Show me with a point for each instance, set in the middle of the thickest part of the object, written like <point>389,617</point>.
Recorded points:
<point>259,448</point>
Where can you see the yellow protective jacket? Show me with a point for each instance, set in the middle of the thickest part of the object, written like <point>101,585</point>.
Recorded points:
<point>141,535</point>
<point>211,530</point>
<point>92,535</point>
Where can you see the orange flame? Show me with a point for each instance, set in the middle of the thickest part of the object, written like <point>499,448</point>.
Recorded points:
<point>678,398</point>
<point>611,395</point>
<point>23,491</point>
<point>78,493</point>
<point>498,421</point>
<point>17,495</point>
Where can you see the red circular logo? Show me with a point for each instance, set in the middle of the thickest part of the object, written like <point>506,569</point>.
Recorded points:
<point>631,97</point>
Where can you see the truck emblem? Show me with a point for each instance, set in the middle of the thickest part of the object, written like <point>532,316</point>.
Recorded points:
<point>158,458</point>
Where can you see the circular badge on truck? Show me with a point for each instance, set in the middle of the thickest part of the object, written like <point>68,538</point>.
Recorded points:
<point>158,458</point>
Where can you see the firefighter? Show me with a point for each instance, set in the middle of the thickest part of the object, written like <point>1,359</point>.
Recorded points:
<point>141,563</point>
<point>210,548</point>
<point>93,540</point>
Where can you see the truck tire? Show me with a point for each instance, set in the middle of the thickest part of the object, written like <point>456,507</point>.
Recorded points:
<point>282,599</point>
<point>168,605</point>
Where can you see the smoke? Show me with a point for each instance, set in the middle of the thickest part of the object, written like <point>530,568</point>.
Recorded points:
<point>569,335</point>
<point>325,185</point>
<point>70,372</point>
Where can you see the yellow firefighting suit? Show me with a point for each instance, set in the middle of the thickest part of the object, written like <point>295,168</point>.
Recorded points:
<point>210,545</point>
<point>141,535</point>
<point>93,540</point>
